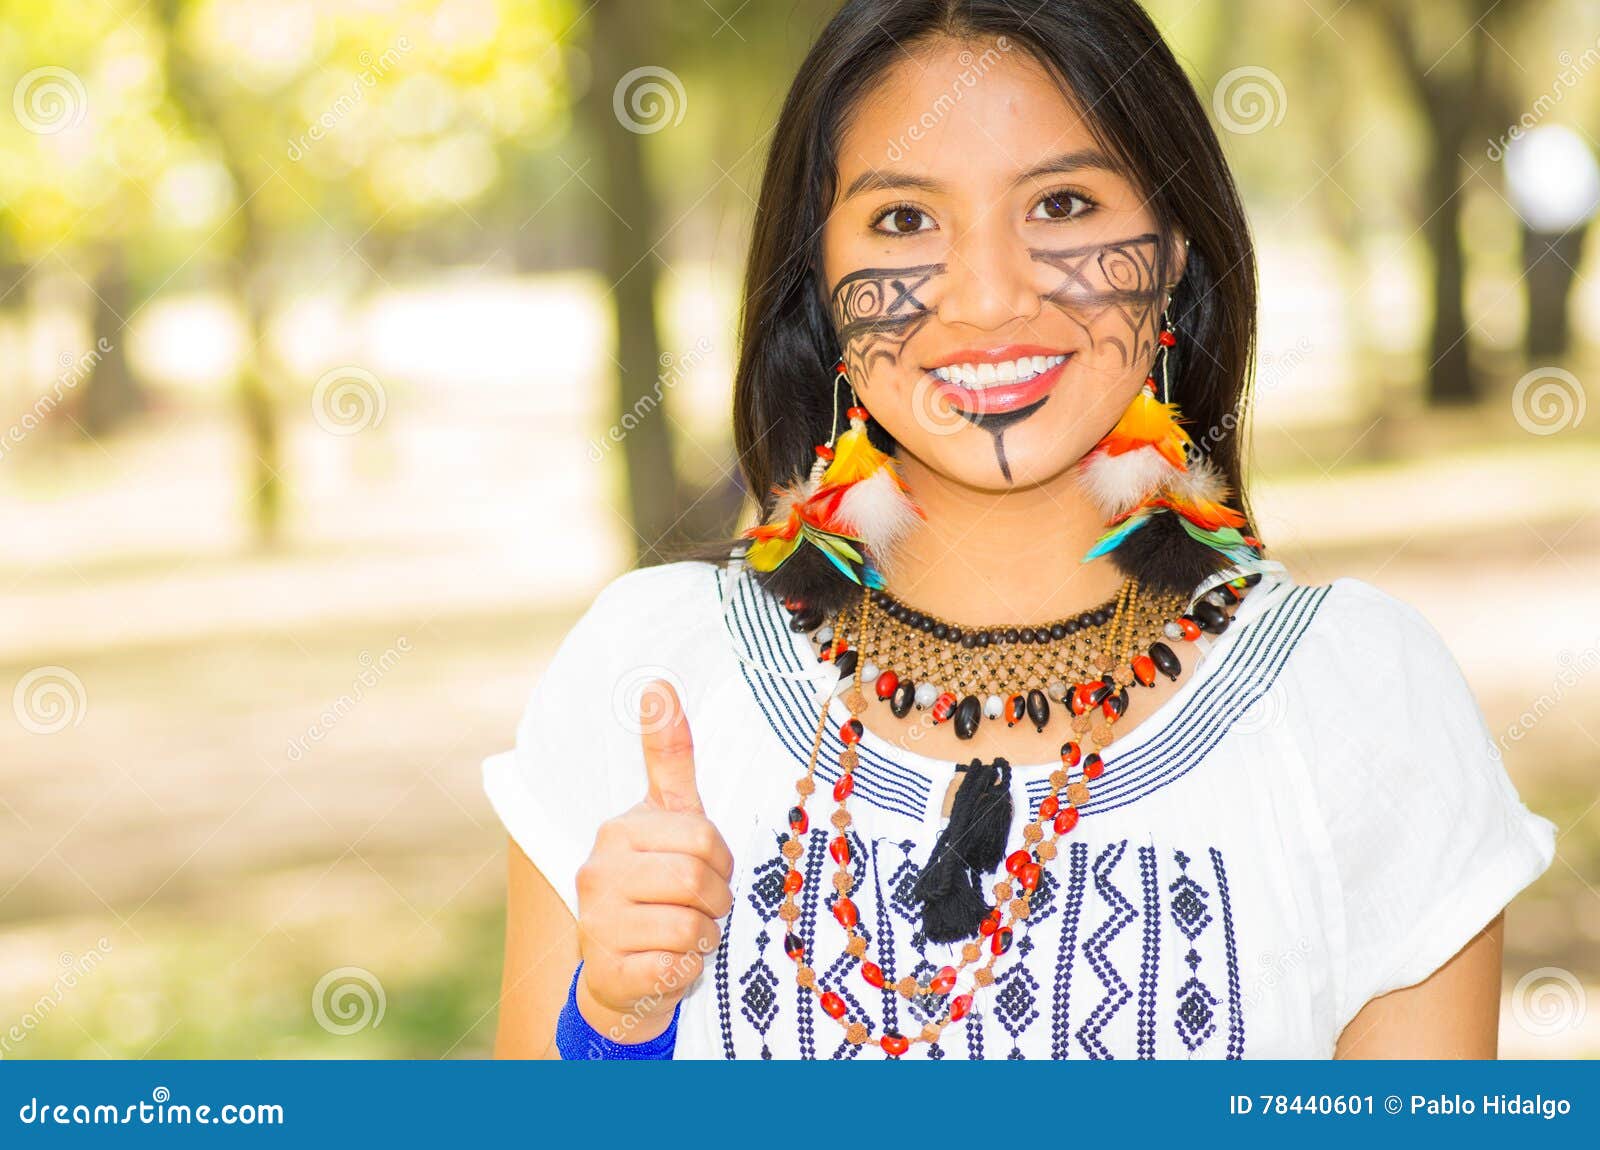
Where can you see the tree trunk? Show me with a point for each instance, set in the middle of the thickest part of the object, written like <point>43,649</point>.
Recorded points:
<point>627,217</point>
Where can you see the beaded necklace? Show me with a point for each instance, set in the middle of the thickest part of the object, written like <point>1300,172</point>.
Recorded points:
<point>1110,636</point>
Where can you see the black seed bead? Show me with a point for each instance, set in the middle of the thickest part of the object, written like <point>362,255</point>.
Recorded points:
<point>1038,708</point>
<point>1119,702</point>
<point>969,641</point>
<point>968,712</point>
<point>1102,617</point>
<point>1073,626</point>
<point>1252,579</point>
<point>955,635</point>
<point>846,662</point>
<point>904,695</point>
<point>1011,634</point>
<point>807,619</point>
<point>1058,631</point>
<point>940,631</point>
<point>793,946</point>
<point>1210,617</point>
<point>1099,694</point>
<point>1166,662</point>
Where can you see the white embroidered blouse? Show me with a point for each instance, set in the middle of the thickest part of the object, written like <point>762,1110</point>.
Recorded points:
<point>1317,816</point>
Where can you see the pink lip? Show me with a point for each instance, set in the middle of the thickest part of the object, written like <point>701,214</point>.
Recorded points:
<point>999,397</point>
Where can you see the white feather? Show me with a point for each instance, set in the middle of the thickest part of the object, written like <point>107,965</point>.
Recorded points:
<point>1116,483</point>
<point>879,512</point>
<point>1201,482</point>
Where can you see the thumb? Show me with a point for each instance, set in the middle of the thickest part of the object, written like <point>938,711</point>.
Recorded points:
<point>668,750</point>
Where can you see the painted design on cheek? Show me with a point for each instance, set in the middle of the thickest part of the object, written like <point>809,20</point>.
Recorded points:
<point>996,423</point>
<point>876,311</point>
<point>1111,291</point>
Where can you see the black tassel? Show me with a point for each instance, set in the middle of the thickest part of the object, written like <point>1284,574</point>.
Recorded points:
<point>971,845</point>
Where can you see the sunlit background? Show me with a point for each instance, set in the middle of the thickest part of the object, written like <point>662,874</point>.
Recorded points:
<point>347,347</point>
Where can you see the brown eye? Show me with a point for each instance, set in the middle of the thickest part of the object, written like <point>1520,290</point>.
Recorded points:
<point>1058,206</point>
<point>903,220</point>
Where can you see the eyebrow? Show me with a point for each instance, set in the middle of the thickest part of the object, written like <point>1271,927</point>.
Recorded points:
<point>873,180</point>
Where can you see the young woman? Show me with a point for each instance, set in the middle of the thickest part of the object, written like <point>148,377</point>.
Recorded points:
<point>1008,738</point>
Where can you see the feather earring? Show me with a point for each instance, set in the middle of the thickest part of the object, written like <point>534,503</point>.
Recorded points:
<point>854,506</point>
<point>1141,468</point>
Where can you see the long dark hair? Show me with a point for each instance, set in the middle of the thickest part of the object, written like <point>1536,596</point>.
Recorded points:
<point>1142,110</point>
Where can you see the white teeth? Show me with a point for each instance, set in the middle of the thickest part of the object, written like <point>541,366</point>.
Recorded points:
<point>988,374</point>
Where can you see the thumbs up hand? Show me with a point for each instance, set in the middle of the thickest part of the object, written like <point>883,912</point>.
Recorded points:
<point>652,888</point>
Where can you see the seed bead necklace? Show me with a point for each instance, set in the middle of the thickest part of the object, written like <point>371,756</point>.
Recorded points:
<point>1119,665</point>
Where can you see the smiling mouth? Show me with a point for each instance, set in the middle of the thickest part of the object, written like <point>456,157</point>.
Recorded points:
<point>989,389</point>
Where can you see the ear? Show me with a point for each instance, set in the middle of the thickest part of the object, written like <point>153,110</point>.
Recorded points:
<point>1180,260</point>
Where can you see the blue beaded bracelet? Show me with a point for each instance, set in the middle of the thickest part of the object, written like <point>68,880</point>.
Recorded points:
<point>577,1040</point>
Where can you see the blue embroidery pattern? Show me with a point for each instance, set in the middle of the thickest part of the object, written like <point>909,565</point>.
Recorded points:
<point>1123,938</point>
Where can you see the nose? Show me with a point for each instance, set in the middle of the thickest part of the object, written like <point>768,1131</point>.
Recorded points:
<point>989,282</point>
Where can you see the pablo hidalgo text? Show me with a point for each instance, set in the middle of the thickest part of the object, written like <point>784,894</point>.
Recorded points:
<point>1495,1105</point>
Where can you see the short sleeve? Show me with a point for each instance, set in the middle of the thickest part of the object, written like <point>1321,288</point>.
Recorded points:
<point>1429,837</point>
<point>577,760</point>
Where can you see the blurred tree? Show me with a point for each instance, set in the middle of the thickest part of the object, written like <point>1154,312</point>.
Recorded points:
<point>1443,50</point>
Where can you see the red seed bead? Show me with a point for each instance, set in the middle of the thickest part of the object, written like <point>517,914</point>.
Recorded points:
<point>959,1006</point>
<point>1108,708</point>
<point>1093,767</point>
<point>943,707</point>
<point>1016,860</point>
<point>850,732</point>
<point>1066,820</point>
<point>839,848</point>
<point>887,682</point>
<point>855,412</point>
<point>793,881</point>
<point>793,946</point>
<point>832,1005</point>
<point>845,911</point>
<point>845,787</point>
<point>1029,876</point>
<point>1144,670</point>
<point>1167,339</point>
<point>987,927</point>
<point>895,1044</point>
<point>839,367</point>
<point>873,973</point>
<point>1081,701</point>
<point>943,982</point>
<point>1049,807</point>
<point>1001,942</point>
<point>1191,629</point>
<point>825,452</point>
<point>1016,710</point>
<point>1070,754</point>
<point>841,645</point>
<point>798,822</point>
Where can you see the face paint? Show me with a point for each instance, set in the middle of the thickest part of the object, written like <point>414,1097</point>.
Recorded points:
<point>876,310</point>
<point>996,422</point>
<point>1111,291</point>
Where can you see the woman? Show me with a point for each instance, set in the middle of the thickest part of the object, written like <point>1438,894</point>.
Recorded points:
<point>1008,739</point>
